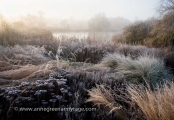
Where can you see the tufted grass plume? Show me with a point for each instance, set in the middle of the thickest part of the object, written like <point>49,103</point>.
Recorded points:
<point>144,69</point>
<point>103,97</point>
<point>156,105</point>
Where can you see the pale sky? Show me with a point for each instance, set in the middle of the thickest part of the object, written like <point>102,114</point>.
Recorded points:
<point>81,9</point>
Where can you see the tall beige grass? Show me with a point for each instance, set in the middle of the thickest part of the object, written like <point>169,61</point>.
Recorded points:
<point>26,71</point>
<point>26,54</point>
<point>156,105</point>
<point>103,97</point>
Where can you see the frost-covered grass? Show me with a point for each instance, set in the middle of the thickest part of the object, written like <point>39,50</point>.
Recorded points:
<point>144,69</point>
<point>121,65</point>
<point>26,54</point>
<point>93,51</point>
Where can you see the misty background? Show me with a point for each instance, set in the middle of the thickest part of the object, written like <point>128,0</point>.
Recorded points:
<point>99,22</point>
<point>99,26</point>
<point>95,19</point>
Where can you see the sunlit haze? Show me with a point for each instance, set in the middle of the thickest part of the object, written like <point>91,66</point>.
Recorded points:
<point>81,9</point>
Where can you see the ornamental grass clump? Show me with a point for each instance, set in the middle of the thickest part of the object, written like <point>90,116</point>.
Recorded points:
<point>145,69</point>
<point>103,97</point>
<point>156,105</point>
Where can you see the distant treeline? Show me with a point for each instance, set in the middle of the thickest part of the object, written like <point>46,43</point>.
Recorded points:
<point>99,22</point>
<point>52,29</point>
<point>10,35</point>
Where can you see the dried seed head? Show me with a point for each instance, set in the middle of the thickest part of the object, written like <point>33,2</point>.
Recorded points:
<point>60,77</point>
<point>6,91</point>
<point>50,85</point>
<point>29,87</point>
<point>10,98</point>
<point>51,75</point>
<point>39,82</point>
<point>45,91</point>
<point>29,99</point>
<point>65,86</point>
<point>11,88</point>
<point>41,85</point>
<point>25,83</point>
<point>54,100</point>
<point>64,91</point>
<point>47,81</point>
<point>70,94</point>
<point>17,91</point>
<point>59,97</point>
<point>51,100</point>
<point>64,80</point>
<point>61,82</point>
<point>51,79</point>
<point>53,96</point>
<point>11,93</point>
<point>38,93</point>
<point>44,103</point>
<point>64,101</point>
<point>68,88</point>
<point>61,89</point>
<point>17,101</point>
<point>2,89</point>
<point>23,98</point>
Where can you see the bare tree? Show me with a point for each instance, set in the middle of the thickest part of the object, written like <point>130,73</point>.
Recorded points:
<point>166,6</point>
<point>34,21</point>
<point>99,23</point>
